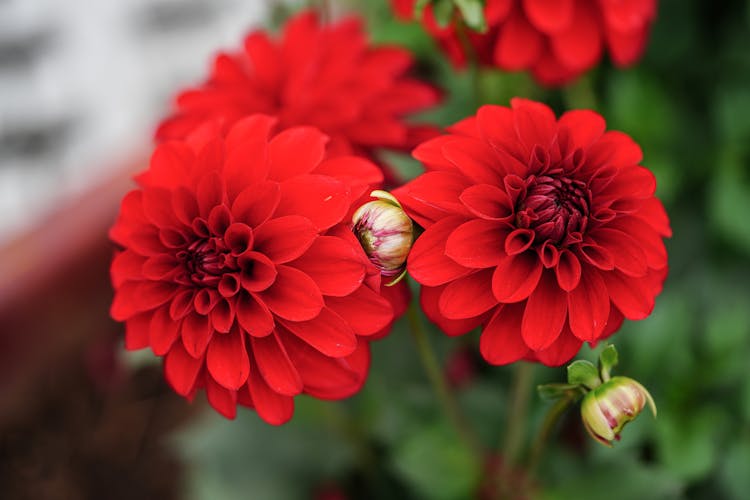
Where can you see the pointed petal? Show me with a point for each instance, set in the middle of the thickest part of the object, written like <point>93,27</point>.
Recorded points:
<point>328,333</point>
<point>275,366</point>
<point>501,342</point>
<point>293,296</point>
<point>469,296</point>
<point>181,369</point>
<point>588,306</point>
<point>545,314</point>
<point>516,277</point>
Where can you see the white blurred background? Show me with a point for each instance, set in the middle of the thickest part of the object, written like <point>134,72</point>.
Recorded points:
<point>83,83</point>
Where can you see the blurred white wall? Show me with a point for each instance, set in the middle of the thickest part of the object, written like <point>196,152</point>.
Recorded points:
<point>83,83</point>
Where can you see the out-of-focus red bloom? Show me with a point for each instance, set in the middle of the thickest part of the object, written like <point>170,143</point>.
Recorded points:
<point>238,266</point>
<point>545,232</point>
<point>327,76</point>
<point>557,40</point>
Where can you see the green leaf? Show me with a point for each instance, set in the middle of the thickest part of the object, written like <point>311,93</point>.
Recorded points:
<point>584,373</point>
<point>473,14</point>
<point>607,361</point>
<point>443,12</point>
<point>419,7</point>
<point>557,391</point>
<point>437,465</point>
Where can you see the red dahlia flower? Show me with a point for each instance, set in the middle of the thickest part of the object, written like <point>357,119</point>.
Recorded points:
<point>239,267</point>
<point>325,76</point>
<point>545,232</point>
<point>557,40</point>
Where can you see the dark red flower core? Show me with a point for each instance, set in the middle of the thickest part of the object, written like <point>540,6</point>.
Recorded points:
<point>237,264</point>
<point>555,208</point>
<point>545,232</point>
<point>557,40</point>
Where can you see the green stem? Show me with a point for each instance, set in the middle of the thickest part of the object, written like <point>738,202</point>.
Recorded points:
<point>521,390</point>
<point>437,379</point>
<point>550,422</point>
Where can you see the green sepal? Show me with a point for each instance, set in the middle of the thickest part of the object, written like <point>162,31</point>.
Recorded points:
<point>473,14</point>
<point>583,373</point>
<point>443,12</point>
<point>607,361</point>
<point>557,391</point>
<point>419,7</point>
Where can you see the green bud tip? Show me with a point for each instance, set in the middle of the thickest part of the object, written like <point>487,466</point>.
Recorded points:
<point>606,409</point>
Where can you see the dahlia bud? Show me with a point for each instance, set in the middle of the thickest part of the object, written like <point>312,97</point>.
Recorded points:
<point>385,232</point>
<point>608,407</point>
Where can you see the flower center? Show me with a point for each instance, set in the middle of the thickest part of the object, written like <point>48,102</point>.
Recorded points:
<point>206,261</point>
<point>556,208</point>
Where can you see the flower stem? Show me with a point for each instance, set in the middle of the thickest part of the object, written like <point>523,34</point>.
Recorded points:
<point>434,373</point>
<point>521,390</point>
<point>550,422</point>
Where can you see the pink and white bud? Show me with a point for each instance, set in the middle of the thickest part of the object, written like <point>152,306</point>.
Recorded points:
<point>607,408</point>
<point>385,232</point>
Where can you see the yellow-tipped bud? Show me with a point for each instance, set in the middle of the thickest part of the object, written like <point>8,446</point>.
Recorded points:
<point>385,232</point>
<point>607,408</point>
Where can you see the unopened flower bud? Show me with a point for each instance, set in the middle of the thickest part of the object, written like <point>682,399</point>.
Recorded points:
<point>608,407</point>
<point>385,232</point>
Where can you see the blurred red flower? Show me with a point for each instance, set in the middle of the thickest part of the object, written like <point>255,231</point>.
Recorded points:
<point>557,40</point>
<point>327,76</point>
<point>546,232</point>
<point>239,267</point>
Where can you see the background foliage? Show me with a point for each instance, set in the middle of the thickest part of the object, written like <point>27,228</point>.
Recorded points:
<point>688,105</point>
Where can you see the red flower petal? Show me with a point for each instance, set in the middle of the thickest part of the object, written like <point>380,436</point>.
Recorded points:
<point>137,331</point>
<point>501,342</point>
<point>427,262</point>
<point>286,238</point>
<point>429,299</point>
<point>580,46</point>
<point>328,333</point>
<point>588,306</point>
<point>222,316</point>
<point>626,251</point>
<point>221,399</point>
<point>631,295</point>
<point>561,351</point>
<point>227,361</point>
<point>325,377</point>
<point>181,369</point>
<point>477,244</point>
<point>518,43</point>
<point>271,406</point>
<point>366,311</point>
<point>210,193</point>
<point>323,200</point>
<point>545,314</point>
<point>256,204</point>
<point>253,315</point>
<point>568,271</point>
<point>196,334</point>
<point>535,123</point>
<point>274,364</point>
<point>474,158</point>
<point>293,296</point>
<point>468,297</point>
<point>257,271</point>
<point>163,331</point>
<point>295,151</point>
<point>516,276</point>
<point>488,202</point>
<point>549,16</point>
<point>126,266</point>
<point>333,264</point>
